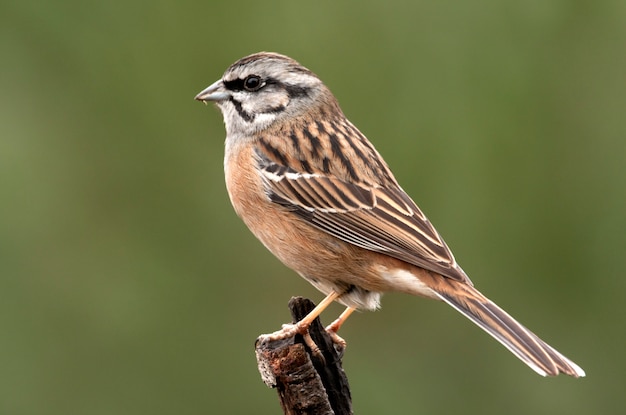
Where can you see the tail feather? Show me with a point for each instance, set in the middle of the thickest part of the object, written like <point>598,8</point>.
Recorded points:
<point>523,343</point>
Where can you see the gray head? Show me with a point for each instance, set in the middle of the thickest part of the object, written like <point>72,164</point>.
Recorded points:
<point>260,89</point>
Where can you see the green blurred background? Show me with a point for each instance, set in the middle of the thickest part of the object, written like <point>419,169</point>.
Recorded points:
<point>129,286</point>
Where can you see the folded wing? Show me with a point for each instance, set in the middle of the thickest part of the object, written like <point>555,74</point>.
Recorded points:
<point>376,218</point>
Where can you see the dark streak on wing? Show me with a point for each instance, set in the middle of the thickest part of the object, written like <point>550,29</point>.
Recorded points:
<point>295,141</point>
<point>355,148</point>
<point>273,151</point>
<point>353,134</point>
<point>326,165</point>
<point>306,166</point>
<point>316,145</point>
<point>335,146</point>
<point>378,219</point>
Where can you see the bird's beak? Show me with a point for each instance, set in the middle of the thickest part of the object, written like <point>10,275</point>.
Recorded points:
<point>216,92</point>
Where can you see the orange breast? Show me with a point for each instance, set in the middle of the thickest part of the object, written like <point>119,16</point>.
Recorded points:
<point>312,253</point>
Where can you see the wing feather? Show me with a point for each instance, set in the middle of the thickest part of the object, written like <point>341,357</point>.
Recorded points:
<point>380,219</point>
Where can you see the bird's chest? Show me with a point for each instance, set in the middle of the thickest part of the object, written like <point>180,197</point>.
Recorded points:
<point>296,243</point>
<point>270,223</point>
<point>247,194</point>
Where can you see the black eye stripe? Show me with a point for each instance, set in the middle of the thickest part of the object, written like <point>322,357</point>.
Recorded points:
<point>234,85</point>
<point>292,90</point>
<point>240,84</point>
<point>296,91</point>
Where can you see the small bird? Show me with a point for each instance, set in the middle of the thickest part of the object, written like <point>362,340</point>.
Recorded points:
<point>314,190</point>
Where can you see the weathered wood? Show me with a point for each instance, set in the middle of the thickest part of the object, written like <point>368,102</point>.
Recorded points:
<point>308,382</point>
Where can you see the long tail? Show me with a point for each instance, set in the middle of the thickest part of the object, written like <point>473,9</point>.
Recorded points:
<point>523,343</point>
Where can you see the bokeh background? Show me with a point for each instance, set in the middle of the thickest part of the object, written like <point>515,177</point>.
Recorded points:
<point>129,286</point>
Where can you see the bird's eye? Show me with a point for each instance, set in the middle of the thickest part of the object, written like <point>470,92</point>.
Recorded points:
<point>252,83</point>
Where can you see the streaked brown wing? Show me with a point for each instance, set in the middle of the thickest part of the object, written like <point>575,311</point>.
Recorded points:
<point>379,219</point>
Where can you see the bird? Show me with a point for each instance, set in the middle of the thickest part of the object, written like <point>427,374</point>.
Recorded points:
<point>315,191</point>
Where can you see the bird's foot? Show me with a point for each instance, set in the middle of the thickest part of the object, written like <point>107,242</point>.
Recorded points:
<point>286,332</point>
<point>339,342</point>
<point>290,330</point>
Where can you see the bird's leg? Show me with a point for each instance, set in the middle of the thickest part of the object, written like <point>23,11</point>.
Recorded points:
<point>302,326</point>
<point>333,327</point>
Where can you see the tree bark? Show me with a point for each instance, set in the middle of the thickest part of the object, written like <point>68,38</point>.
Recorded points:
<point>307,381</point>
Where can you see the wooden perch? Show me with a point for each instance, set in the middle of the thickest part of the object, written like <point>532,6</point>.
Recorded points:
<point>307,382</point>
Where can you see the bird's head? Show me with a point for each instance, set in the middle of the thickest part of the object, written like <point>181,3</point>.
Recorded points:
<point>260,89</point>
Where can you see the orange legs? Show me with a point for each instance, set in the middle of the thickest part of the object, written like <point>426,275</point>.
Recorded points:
<point>302,326</point>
